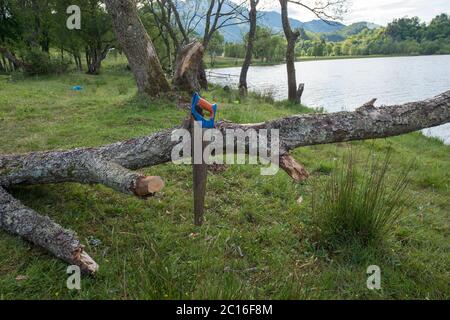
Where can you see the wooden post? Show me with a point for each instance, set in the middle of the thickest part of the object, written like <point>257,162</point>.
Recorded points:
<point>300,89</point>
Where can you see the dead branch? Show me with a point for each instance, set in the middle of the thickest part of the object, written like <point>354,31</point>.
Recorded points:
<point>42,231</point>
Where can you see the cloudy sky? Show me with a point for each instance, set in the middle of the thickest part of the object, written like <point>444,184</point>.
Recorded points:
<point>377,11</point>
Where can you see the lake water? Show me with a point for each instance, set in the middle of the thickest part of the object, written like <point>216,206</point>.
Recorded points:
<point>346,84</point>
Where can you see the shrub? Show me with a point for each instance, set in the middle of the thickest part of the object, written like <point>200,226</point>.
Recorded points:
<point>41,63</point>
<point>351,205</point>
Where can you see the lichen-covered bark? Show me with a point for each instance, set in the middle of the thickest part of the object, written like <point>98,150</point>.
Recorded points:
<point>42,231</point>
<point>79,165</point>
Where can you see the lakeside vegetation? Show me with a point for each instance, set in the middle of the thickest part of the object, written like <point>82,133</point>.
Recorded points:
<point>405,36</point>
<point>261,243</point>
<point>227,62</point>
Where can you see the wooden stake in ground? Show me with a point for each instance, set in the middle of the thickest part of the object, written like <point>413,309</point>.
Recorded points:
<point>200,172</point>
<point>200,168</point>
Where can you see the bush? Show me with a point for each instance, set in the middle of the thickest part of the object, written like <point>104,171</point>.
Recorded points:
<point>41,63</point>
<point>352,205</point>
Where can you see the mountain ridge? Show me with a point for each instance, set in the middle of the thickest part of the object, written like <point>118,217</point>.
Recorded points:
<point>272,19</point>
<point>333,30</point>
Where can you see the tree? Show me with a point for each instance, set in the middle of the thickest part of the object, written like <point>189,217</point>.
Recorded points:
<point>235,50</point>
<point>324,10</point>
<point>439,28</point>
<point>69,41</point>
<point>405,29</point>
<point>291,38</point>
<point>138,48</point>
<point>249,48</point>
<point>97,34</point>
<point>216,47</point>
<point>180,19</point>
<point>268,47</point>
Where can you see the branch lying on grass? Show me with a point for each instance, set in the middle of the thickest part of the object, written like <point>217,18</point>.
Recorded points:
<point>42,231</point>
<point>111,164</point>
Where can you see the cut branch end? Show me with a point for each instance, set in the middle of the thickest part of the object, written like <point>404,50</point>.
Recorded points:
<point>146,186</point>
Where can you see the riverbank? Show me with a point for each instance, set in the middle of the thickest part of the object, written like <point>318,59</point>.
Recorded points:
<point>226,62</point>
<point>257,241</point>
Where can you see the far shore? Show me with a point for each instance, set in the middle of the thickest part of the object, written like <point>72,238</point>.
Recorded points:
<point>227,62</point>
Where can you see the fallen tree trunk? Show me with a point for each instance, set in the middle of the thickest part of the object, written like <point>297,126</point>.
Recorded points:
<point>77,165</point>
<point>111,164</point>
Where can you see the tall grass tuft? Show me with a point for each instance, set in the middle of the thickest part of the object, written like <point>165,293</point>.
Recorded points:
<point>359,206</point>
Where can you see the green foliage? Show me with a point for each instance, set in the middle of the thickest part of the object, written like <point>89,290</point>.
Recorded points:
<point>355,206</point>
<point>215,46</point>
<point>234,50</point>
<point>402,36</point>
<point>42,63</point>
<point>268,47</point>
<point>31,26</point>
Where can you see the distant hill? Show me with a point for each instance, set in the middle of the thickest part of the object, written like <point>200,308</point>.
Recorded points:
<point>272,20</point>
<point>334,31</point>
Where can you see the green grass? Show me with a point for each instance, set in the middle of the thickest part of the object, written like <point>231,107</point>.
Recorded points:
<point>151,250</point>
<point>358,203</point>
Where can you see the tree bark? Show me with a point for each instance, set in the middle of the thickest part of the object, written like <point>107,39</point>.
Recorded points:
<point>291,38</point>
<point>243,88</point>
<point>187,65</point>
<point>25,222</point>
<point>138,48</point>
<point>111,164</point>
<point>54,167</point>
<point>94,57</point>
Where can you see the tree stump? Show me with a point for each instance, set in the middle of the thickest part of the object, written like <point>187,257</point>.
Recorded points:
<point>187,67</point>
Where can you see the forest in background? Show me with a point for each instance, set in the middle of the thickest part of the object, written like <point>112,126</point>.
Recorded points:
<point>404,36</point>
<point>31,34</point>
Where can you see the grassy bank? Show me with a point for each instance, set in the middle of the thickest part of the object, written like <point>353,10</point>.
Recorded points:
<point>257,241</point>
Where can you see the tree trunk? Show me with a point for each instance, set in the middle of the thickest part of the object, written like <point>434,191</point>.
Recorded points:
<point>243,88</point>
<point>94,57</point>
<point>14,61</point>
<point>138,48</point>
<point>188,63</point>
<point>80,64</point>
<point>2,66</point>
<point>291,38</point>
<point>202,78</point>
<point>111,165</point>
